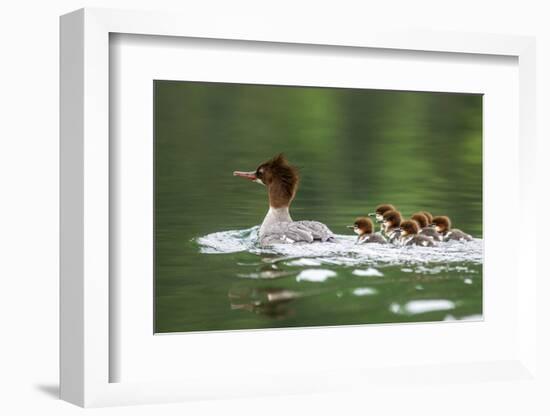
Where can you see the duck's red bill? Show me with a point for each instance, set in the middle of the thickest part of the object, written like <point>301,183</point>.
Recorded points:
<point>246,175</point>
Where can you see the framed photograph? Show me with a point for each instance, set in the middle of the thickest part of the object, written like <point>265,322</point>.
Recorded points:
<point>263,268</point>
<point>266,213</point>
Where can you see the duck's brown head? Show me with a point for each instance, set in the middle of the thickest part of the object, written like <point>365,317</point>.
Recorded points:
<point>421,219</point>
<point>442,224</point>
<point>391,219</point>
<point>380,210</point>
<point>362,225</point>
<point>280,178</point>
<point>428,216</point>
<point>409,227</point>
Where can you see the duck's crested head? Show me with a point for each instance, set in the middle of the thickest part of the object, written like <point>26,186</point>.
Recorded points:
<point>442,223</point>
<point>429,216</point>
<point>362,225</point>
<point>277,169</point>
<point>279,176</point>
<point>380,210</point>
<point>409,227</point>
<point>421,219</point>
<point>391,219</point>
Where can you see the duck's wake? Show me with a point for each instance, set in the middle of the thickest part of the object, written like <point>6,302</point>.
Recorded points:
<point>344,251</point>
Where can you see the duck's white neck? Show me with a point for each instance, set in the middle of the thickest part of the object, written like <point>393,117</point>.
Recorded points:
<point>274,216</point>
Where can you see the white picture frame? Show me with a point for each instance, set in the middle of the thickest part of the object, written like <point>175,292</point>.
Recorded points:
<point>86,356</point>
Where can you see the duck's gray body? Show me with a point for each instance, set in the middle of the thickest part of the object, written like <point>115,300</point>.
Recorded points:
<point>456,235</point>
<point>431,232</point>
<point>371,238</point>
<point>393,235</point>
<point>278,228</point>
<point>418,240</point>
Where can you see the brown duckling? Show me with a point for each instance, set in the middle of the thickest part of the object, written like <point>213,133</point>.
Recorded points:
<point>443,227</point>
<point>363,227</point>
<point>391,222</point>
<point>429,216</point>
<point>378,214</point>
<point>410,235</point>
<point>425,229</point>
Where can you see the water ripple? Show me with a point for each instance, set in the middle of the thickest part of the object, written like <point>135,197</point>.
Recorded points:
<point>344,252</point>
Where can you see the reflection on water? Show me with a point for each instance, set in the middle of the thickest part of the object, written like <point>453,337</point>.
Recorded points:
<point>270,301</point>
<point>355,149</point>
<point>341,271</point>
<point>303,267</point>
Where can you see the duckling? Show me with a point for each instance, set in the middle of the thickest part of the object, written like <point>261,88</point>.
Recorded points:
<point>429,216</point>
<point>379,213</point>
<point>443,226</point>
<point>392,221</point>
<point>363,228</point>
<point>410,235</point>
<point>425,228</point>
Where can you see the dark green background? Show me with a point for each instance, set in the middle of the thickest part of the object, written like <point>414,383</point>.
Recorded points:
<point>355,149</point>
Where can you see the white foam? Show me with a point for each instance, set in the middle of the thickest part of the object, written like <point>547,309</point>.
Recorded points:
<point>228,241</point>
<point>364,291</point>
<point>421,306</point>
<point>344,252</point>
<point>315,275</point>
<point>304,262</point>
<point>371,271</point>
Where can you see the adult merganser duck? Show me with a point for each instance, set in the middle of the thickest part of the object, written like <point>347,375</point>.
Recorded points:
<point>392,221</point>
<point>363,228</point>
<point>425,227</point>
<point>443,226</point>
<point>281,180</point>
<point>379,214</point>
<point>410,237</point>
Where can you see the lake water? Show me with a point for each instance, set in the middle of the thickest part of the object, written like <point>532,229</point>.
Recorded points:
<point>355,149</point>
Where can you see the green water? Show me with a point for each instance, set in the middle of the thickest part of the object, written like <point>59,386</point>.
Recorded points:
<point>355,149</point>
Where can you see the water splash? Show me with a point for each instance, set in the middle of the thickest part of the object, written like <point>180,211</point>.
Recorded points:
<point>344,252</point>
<point>364,291</point>
<point>422,306</point>
<point>371,271</point>
<point>315,275</point>
<point>229,241</point>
